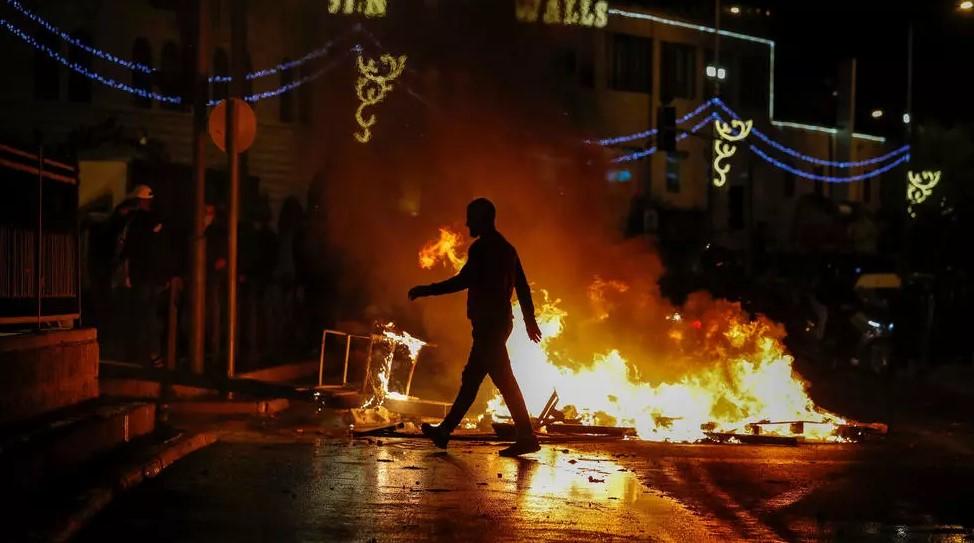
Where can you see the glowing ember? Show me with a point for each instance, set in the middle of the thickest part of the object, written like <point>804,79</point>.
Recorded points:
<point>382,374</point>
<point>736,371</point>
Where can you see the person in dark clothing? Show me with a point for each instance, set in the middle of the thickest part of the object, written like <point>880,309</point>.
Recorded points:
<point>492,273</point>
<point>142,256</point>
<point>216,285</point>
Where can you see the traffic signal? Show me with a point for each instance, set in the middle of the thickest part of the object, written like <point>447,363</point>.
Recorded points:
<point>666,129</point>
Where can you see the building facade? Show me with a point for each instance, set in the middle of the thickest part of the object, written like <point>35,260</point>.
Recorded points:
<point>616,70</point>
<point>645,59</point>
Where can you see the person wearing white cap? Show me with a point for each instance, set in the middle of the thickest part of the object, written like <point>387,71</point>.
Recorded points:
<point>140,250</point>
<point>141,192</point>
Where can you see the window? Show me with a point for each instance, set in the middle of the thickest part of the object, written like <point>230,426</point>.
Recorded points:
<point>79,86</point>
<point>47,72</point>
<point>679,71</point>
<point>142,53</point>
<point>673,161</point>
<point>170,74</point>
<point>789,184</point>
<point>630,63</point>
<point>219,90</point>
<point>867,191</point>
<point>286,100</point>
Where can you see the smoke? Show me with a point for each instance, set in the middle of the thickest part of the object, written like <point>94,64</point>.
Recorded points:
<point>497,137</point>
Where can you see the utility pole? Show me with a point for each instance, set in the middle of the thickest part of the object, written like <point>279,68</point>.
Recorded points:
<point>197,294</point>
<point>238,49</point>
<point>712,191</point>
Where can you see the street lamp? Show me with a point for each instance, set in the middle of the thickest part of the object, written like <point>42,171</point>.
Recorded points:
<point>715,72</point>
<point>877,113</point>
<point>966,5</point>
<point>906,118</point>
<point>736,10</point>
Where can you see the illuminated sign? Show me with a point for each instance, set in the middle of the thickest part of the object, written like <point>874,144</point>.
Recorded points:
<point>563,12</point>
<point>372,88</point>
<point>724,148</point>
<point>919,188</point>
<point>619,176</point>
<point>369,8</point>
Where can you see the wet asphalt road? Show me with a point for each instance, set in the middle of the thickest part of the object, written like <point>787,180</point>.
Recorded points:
<point>333,489</point>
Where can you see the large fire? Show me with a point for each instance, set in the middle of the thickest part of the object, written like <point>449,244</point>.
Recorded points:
<point>740,373</point>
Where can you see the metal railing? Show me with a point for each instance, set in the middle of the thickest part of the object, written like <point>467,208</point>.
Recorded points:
<point>348,347</point>
<point>372,339</point>
<point>40,265</point>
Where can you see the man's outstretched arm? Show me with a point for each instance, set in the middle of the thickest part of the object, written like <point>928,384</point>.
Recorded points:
<point>527,304</point>
<point>458,282</point>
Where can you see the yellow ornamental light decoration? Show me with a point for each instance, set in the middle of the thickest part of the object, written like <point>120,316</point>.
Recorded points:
<point>920,187</point>
<point>724,148</point>
<point>372,88</point>
<point>369,8</point>
<point>591,13</point>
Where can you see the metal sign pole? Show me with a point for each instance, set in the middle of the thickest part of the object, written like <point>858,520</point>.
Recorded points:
<point>238,48</point>
<point>233,216</point>
<point>39,245</point>
<point>197,294</point>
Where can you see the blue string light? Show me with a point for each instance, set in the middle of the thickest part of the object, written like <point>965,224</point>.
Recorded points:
<point>649,133</point>
<point>256,97</point>
<point>796,154</point>
<point>623,139</point>
<point>833,163</point>
<point>682,136</point>
<point>134,66</point>
<point>311,55</point>
<point>634,156</point>
<point>828,178</point>
<point>145,93</point>
<point>108,82</point>
<point>703,123</point>
<point>771,160</point>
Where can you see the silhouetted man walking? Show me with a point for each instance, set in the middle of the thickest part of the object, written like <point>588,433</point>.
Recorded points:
<point>492,272</point>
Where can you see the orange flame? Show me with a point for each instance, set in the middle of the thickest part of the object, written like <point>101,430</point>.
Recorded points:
<point>740,373</point>
<point>598,291</point>
<point>445,249</point>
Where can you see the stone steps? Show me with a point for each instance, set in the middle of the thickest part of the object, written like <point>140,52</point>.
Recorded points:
<point>38,451</point>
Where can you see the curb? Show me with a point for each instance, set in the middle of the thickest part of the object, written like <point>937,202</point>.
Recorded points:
<point>260,408</point>
<point>94,500</point>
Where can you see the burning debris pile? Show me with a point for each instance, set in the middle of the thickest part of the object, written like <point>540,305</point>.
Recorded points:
<point>736,377</point>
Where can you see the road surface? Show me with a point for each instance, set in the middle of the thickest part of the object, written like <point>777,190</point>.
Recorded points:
<point>315,488</point>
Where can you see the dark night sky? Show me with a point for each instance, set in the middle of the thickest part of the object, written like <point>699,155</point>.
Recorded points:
<point>812,36</point>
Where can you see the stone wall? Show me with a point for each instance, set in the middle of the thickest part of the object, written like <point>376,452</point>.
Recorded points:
<point>44,371</point>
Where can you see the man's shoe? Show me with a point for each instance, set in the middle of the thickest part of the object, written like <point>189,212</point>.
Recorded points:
<point>437,435</point>
<point>520,447</point>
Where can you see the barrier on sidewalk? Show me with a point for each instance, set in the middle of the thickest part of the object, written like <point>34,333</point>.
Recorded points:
<point>39,257</point>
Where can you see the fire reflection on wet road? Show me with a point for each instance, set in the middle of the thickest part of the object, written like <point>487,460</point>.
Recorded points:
<point>333,490</point>
<point>281,488</point>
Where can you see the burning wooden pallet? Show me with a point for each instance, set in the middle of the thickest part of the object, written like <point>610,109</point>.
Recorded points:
<point>758,432</point>
<point>555,423</point>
